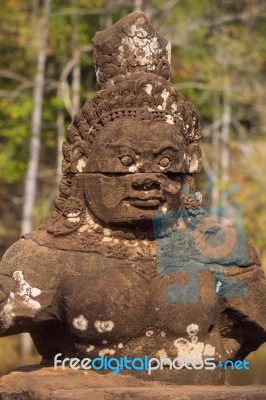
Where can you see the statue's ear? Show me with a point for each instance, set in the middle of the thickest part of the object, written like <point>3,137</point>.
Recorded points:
<point>79,157</point>
<point>194,157</point>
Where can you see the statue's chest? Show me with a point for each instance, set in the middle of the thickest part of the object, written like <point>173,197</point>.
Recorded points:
<point>122,300</point>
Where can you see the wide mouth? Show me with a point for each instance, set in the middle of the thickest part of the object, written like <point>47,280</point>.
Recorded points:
<point>149,202</point>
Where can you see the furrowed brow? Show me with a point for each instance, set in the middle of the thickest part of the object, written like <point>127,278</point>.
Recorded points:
<point>166,146</point>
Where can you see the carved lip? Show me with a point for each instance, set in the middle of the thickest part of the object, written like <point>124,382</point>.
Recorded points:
<point>149,202</point>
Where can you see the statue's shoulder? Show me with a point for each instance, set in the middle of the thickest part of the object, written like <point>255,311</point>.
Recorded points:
<point>29,258</point>
<point>19,253</point>
<point>218,241</point>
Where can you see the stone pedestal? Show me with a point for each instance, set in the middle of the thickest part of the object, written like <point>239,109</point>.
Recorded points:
<point>36,383</point>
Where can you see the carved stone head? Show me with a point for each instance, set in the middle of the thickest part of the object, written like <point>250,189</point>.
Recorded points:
<point>129,150</point>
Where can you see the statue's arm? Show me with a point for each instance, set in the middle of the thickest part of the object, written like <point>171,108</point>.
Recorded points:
<point>243,311</point>
<point>26,290</point>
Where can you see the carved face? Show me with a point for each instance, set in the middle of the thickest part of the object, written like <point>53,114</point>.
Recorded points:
<point>134,167</point>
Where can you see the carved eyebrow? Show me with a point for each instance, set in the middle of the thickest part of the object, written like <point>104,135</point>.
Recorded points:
<point>165,147</point>
<point>119,145</point>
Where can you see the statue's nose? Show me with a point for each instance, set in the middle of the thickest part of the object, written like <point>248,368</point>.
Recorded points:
<point>146,166</point>
<point>146,182</point>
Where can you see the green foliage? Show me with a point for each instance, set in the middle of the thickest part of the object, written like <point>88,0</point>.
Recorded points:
<point>14,133</point>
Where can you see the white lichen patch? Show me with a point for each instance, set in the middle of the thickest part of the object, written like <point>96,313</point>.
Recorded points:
<point>104,352</point>
<point>209,351</point>
<point>81,164</point>
<point>149,333</point>
<point>134,167</point>
<point>168,51</point>
<point>109,239</point>
<point>192,348</point>
<point>192,330</point>
<point>80,323</point>
<point>97,71</point>
<point>88,223</point>
<point>148,88</point>
<point>90,348</point>
<point>91,223</point>
<point>164,95</point>
<point>163,334</point>
<point>194,164</point>
<point>169,119</point>
<point>174,107</point>
<point>73,214</point>
<point>141,47</point>
<point>218,285</point>
<point>131,243</point>
<point>120,345</point>
<point>104,326</point>
<point>24,288</point>
<point>23,295</point>
<point>96,227</point>
<point>74,217</point>
<point>162,353</point>
<point>107,232</point>
<point>139,32</point>
<point>106,239</point>
<point>26,292</point>
<point>35,292</point>
<point>7,314</point>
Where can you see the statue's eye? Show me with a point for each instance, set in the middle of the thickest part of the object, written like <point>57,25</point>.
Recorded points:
<point>126,161</point>
<point>164,162</point>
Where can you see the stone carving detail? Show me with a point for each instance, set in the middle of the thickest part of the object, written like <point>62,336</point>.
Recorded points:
<point>130,46</point>
<point>144,98</point>
<point>99,278</point>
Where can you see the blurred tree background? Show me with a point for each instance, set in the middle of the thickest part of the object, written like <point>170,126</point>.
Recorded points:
<point>47,73</point>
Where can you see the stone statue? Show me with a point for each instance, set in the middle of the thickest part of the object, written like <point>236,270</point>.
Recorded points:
<point>109,272</point>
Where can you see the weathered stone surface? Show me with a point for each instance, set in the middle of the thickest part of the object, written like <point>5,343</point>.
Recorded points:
<point>31,383</point>
<point>129,264</point>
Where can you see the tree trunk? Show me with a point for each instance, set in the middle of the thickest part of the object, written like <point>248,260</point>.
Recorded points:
<point>76,57</point>
<point>106,18</point>
<point>226,122</point>
<point>215,193</point>
<point>60,122</point>
<point>35,145</point>
<point>225,154</point>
